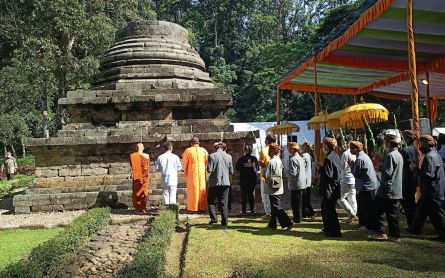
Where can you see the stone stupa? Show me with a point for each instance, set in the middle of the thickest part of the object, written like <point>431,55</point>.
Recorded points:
<point>152,85</point>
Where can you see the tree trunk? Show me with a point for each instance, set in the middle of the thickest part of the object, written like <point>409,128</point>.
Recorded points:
<point>44,96</point>
<point>13,151</point>
<point>23,147</point>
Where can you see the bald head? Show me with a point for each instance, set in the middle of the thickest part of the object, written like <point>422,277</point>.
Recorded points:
<point>140,147</point>
<point>195,140</point>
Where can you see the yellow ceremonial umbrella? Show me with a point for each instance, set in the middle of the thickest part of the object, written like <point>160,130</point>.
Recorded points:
<point>318,122</point>
<point>283,129</point>
<point>358,115</point>
<point>334,120</point>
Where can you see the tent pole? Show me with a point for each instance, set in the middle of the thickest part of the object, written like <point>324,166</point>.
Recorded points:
<point>413,72</point>
<point>317,131</point>
<point>278,106</point>
<point>428,100</point>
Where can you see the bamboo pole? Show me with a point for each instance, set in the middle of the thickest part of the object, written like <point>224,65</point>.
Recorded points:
<point>428,100</point>
<point>317,131</point>
<point>413,72</point>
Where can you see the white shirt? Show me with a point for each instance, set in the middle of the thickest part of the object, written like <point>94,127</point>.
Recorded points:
<point>346,176</point>
<point>169,165</point>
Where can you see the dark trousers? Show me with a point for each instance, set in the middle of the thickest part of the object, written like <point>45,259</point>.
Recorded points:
<point>247,195</point>
<point>409,203</point>
<point>308,210</point>
<point>329,214</point>
<point>9,176</point>
<point>433,208</point>
<point>365,203</point>
<point>296,203</point>
<point>218,195</point>
<point>277,212</point>
<point>391,208</point>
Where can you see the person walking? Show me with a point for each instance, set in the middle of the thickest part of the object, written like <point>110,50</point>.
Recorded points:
<point>248,167</point>
<point>329,188</point>
<point>296,181</point>
<point>220,168</point>
<point>169,165</point>
<point>348,199</point>
<point>195,161</point>
<point>308,210</point>
<point>274,189</point>
<point>432,188</point>
<point>366,184</point>
<point>264,160</point>
<point>139,162</point>
<point>10,166</point>
<point>409,183</point>
<point>389,192</point>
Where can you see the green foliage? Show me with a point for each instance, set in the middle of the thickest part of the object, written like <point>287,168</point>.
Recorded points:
<point>28,160</point>
<point>149,258</point>
<point>49,254</point>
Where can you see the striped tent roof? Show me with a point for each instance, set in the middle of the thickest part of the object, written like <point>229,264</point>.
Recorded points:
<point>368,53</point>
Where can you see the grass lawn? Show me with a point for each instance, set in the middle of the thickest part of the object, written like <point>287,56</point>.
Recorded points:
<point>19,181</point>
<point>248,249</point>
<point>15,244</point>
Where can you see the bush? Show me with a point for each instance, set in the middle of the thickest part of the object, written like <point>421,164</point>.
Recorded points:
<point>149,258</point>
<point>20,181</point>
<point>27,161</point>
<point>48,255</point>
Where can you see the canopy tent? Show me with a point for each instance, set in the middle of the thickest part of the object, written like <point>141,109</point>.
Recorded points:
<point>373,51</point>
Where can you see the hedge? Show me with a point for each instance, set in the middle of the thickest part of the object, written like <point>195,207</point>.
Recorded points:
<point>149,257</point>
<point>48,255</point>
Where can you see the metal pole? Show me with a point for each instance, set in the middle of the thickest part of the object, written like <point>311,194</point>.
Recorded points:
<point>428,100</point>
<point>413,72</point>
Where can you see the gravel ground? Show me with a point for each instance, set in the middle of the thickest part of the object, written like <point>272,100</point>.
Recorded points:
<point>37,220</point>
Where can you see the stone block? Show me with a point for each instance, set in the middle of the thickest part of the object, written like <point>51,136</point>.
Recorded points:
<point>46,172</point>
<point>22,209</point>
<point>72,170</point>
<point>38,207</point>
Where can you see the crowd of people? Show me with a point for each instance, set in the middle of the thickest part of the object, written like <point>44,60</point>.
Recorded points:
<point>347,177</point>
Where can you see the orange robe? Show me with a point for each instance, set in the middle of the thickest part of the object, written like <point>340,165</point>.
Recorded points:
<point>195,162</point>
<point>139,165</point>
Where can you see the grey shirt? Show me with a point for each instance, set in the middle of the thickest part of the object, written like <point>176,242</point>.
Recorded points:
<point>296,173</point>
<point>220,167</point>
<point>364,173</point>
<point>274,168</point>
<point>346,176</point>
<point>392,176</point>
<point>308,168</point>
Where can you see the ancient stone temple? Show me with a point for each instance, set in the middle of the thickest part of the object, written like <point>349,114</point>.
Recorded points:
<point>152,84</point>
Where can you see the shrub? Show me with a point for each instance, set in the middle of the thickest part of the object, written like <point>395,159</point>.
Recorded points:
<point>48,255</point>
<point>28,161</point>
<point>149,258</point>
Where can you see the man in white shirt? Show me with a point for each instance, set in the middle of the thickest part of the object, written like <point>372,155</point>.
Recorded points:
<point>348,199</point>
<point>169,165</point>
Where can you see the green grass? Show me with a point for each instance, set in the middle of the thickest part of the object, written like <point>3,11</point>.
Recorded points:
<point>248,249</point>
<point>15,244</point>
<point>19,181</point>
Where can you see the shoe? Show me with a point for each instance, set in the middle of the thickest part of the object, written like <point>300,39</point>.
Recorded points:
<point>242,212</point>
<point>394,239</point>
<point>288,228</point>
<point>351,219</point>
<point>312,218</point>
<point>212,222</point>
<point>270,228</point>
<point>296,221</point>
<point>266,217</point>
<point>378,237</point>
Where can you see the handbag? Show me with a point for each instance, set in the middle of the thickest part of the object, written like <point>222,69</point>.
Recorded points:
<point>275,181</point>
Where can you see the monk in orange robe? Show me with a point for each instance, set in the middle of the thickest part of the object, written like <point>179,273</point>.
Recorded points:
<point>195,162</point>
<point>139,165</point>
